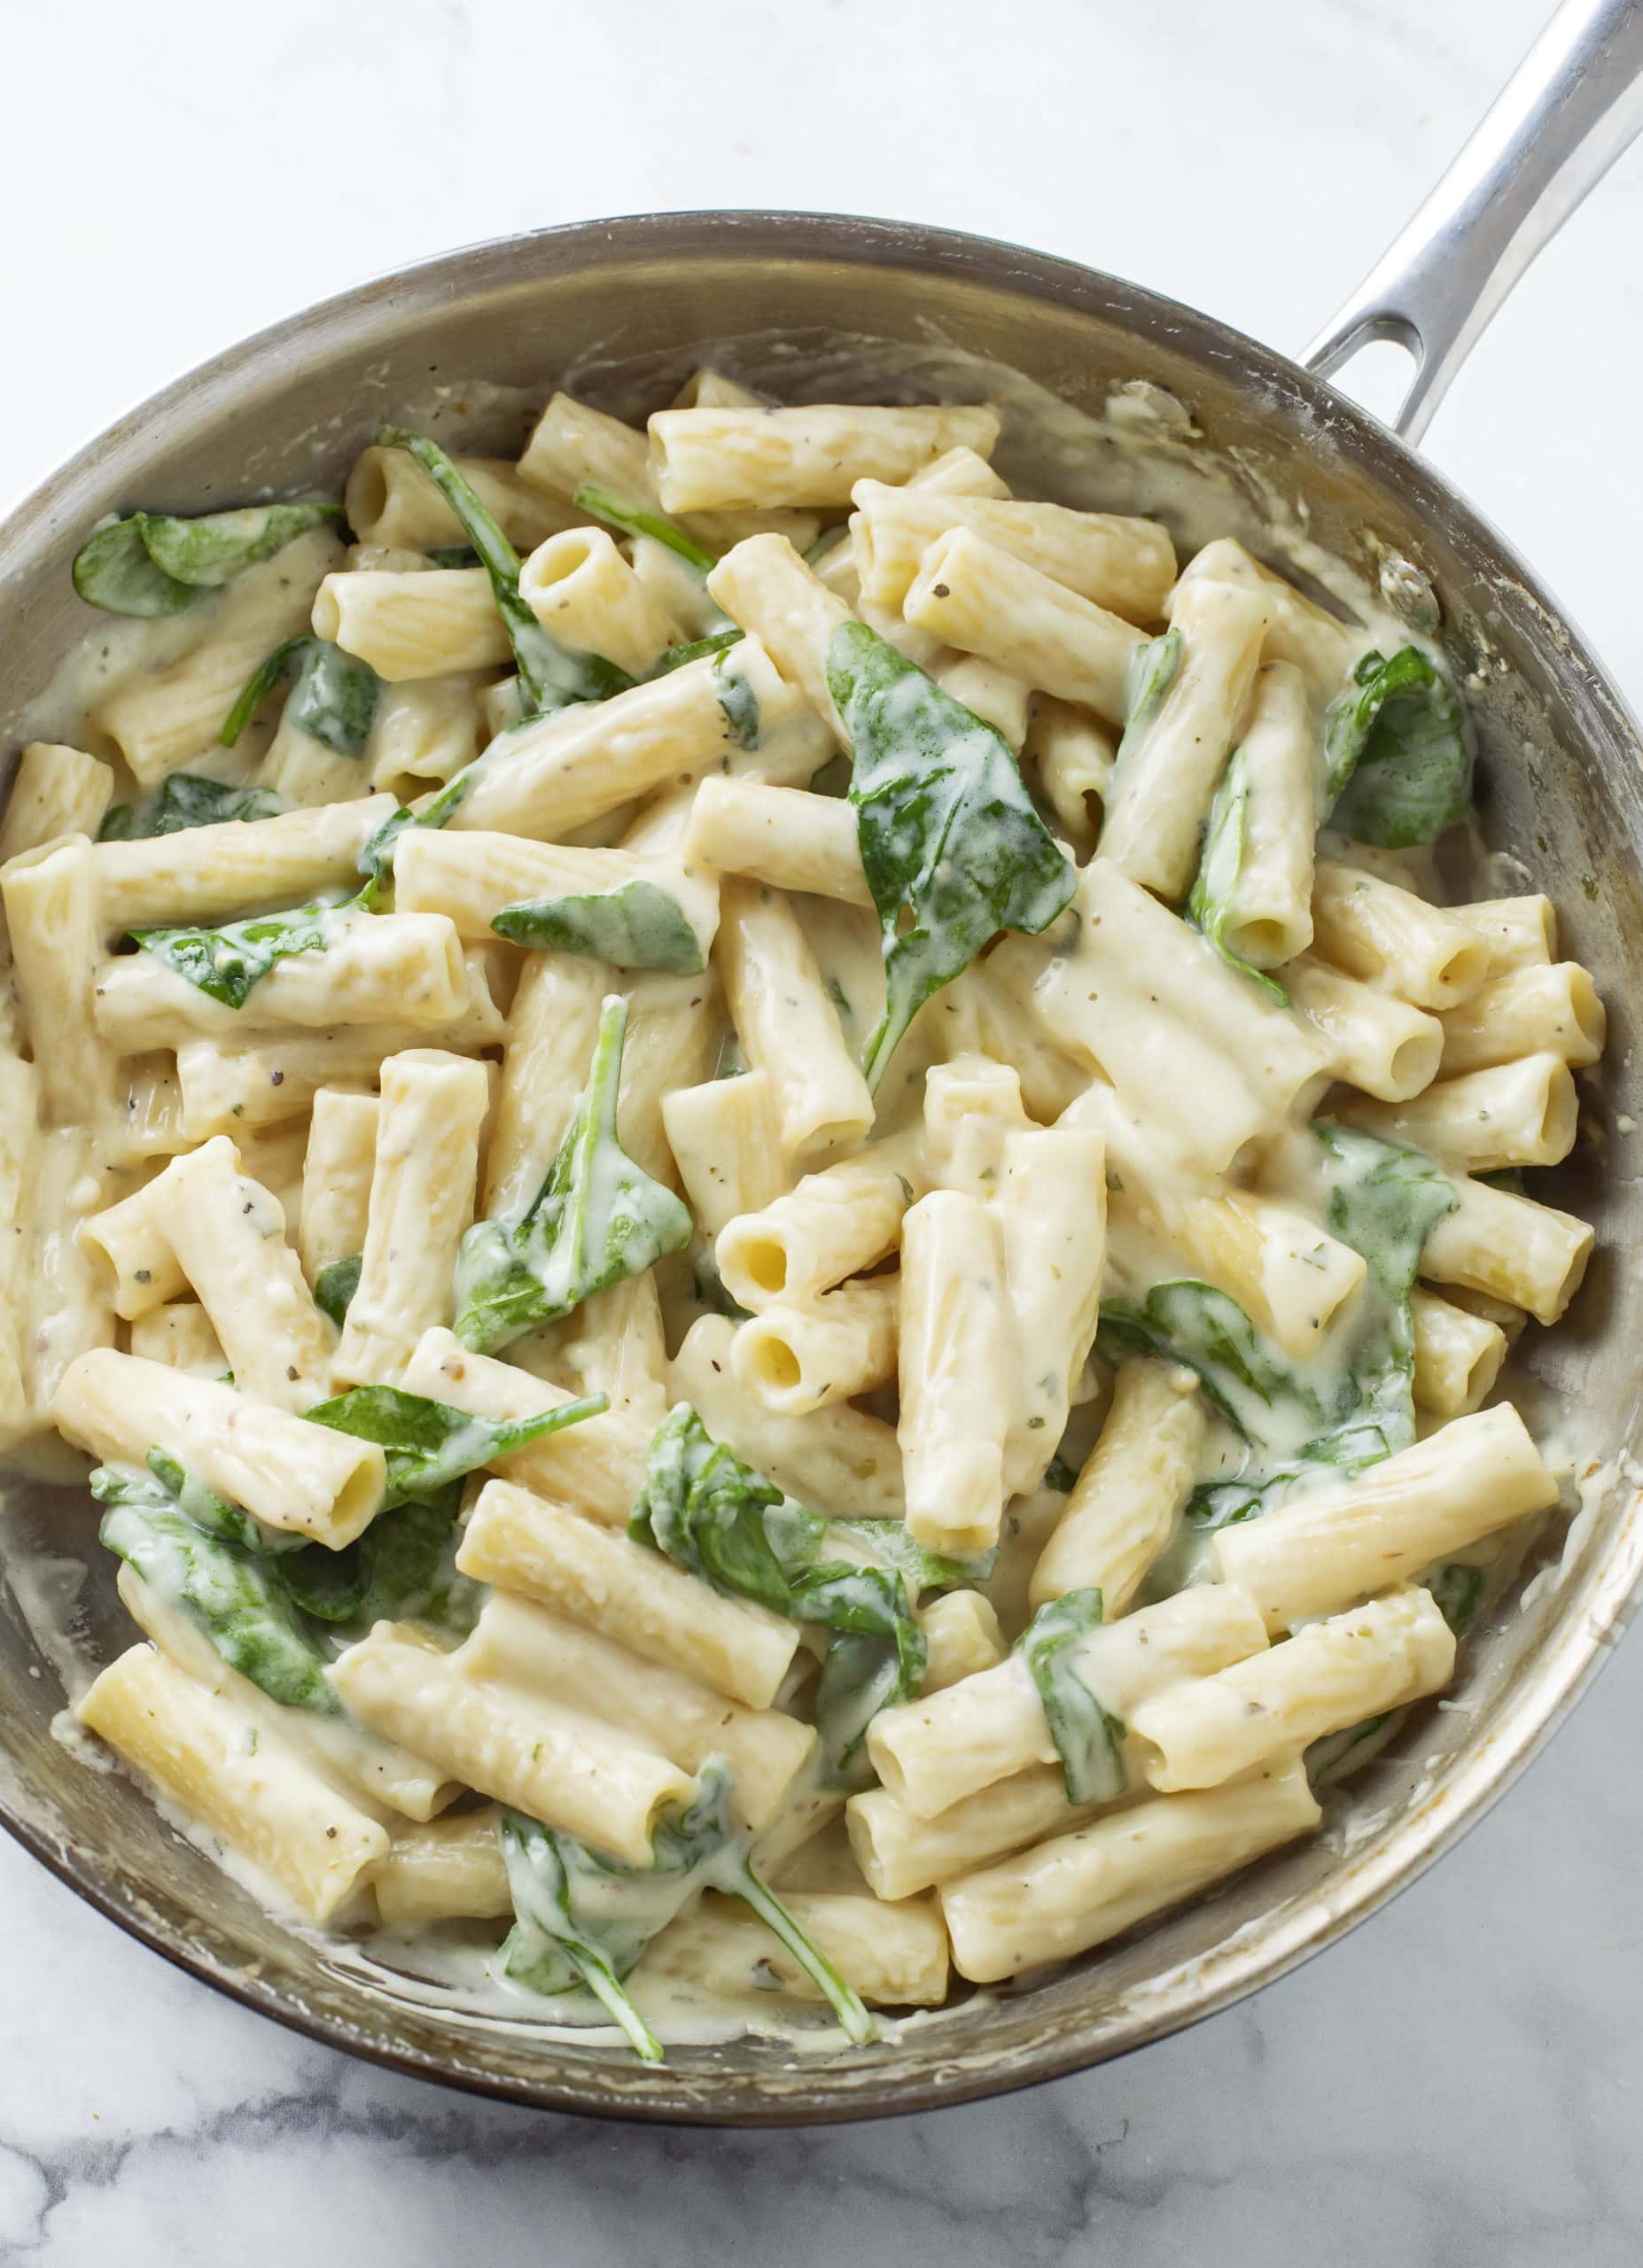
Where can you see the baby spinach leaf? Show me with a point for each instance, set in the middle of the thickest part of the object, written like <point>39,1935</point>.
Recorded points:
<point>1459,1591</point>
<point>1383,1201</point>
<point>1088,1737</point>
<point>1397,761</point>
<point>335,1285</point>
<point>167,1487</point>
<point>736,698</point>
<point>452,555</point>
<point>886,1543</point>
<point>1242,1372</point>
<point>229,963</point>
<point>597,1220</point>
<point>554,676</point>
<point>332,697</point>
<point>113,571</point>
<point>151,563</point>
<point>952,848</point>
<point>637,520</point>
<point>635,925</point>
<point>1151,672</point>
<point>582,1917</point>
<point>720,1519</point>
<point>188,799</point>
<point>232,1597</point>
<point>718,641</point>
<point>401,1570</point>
<point>428,1444</point>
<point>214,547</point>
<point>1208,907</point>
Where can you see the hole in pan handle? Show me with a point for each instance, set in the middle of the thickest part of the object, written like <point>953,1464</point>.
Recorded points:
<point>1567,113</point>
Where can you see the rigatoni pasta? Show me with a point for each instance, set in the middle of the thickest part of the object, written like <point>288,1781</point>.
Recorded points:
<point>779,1248</point>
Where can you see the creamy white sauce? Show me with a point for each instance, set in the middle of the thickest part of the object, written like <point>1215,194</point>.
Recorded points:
<point>1144,456</point>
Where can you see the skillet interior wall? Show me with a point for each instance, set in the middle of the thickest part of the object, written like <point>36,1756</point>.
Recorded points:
<point>1562,792</point>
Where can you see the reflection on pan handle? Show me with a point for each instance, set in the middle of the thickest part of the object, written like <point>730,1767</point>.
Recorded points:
<point>1569,110</point>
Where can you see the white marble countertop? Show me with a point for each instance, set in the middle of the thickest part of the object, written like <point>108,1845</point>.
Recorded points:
<point>1462,2081</point>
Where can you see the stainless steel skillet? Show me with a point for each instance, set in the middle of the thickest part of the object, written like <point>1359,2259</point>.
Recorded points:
<point>1562,785</point>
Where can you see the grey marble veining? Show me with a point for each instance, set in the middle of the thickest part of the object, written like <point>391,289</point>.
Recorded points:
<point>1462,2081</point>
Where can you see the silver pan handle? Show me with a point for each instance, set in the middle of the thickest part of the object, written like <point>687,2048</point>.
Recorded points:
<point>1569,110</point>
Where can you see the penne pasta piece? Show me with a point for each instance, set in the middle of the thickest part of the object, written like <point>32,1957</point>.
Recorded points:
<point>562,771</point>
<point>471,878</point>
<point>1339,1544</point>
<point>69,1312</point>
<point>900,1853</point>
<point>1052,1207</point>
<point>182,1336</point>
<point>838,1460</point>
<point>957,472</point>
<point>751,459</point>
<point>1329,1676</point>
<point>957,1360</point>
<point>209,874</point>
<point>1169,764</point>
<point>528,1649</point>
<point>1375,1041</point>
<point>835,1224</point>
<point>55,791</point>
<point>372,969</point>
<point>1519,932</point>
<point>20,1153</point>
<point>1322,647</point>
<point>422,1197</point>
<point>390,499</point>
<point>725,1143</point>
<point>528,1543</point>
<point>962,1637</point>
<point>1125,566</point>
<point>1267,916</point>
<point>556,1764</point>
<point>1147,1001</point>
<point>138,1265</point>
<point>780,836</point>
<point>933,1752</point>
<point>1509,1247</point>
<point>997,696</point>
<point>425,730</point>
<point>1457,1355</point>
<point>1073,756</point>
<point>336,1179</point>
<point>51,917</point>
<point>799,1358</point>
<point>1518,1114</point>
<point>308,1479</point>
<point>386,1777</point>
<point>228,1235</point>
<point>1372,928</point>
<point>893,1956</point>
<point>426,623</point>
<point>1132,1488</point>
<point>262,1797</point>
<point>972,594</point>
<point>1082,1889</point>
<point>787,1024</point>
<point>1553,1010</point>
<point>597,1466</point>
<point>160,717</point>
<point>579,587</point>
<point>768,588</point>
<point>450,1868</point>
